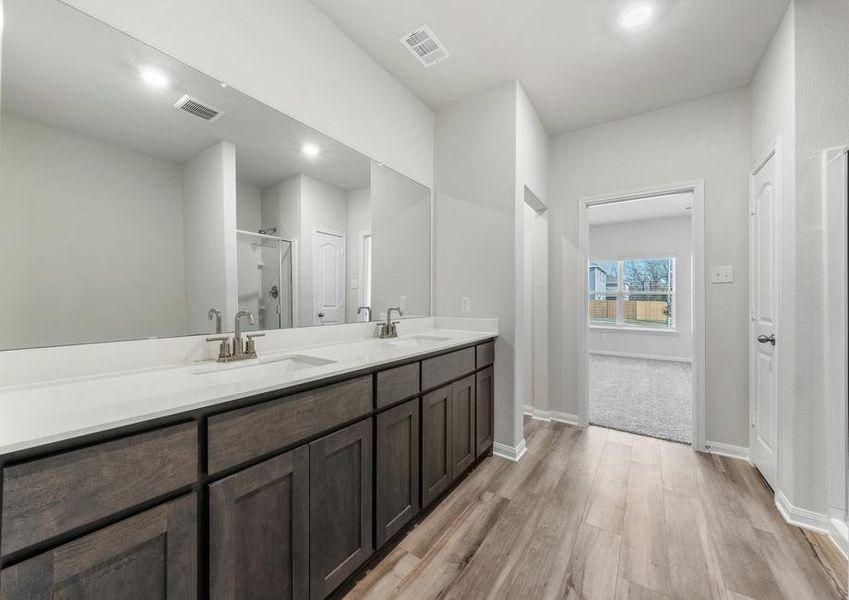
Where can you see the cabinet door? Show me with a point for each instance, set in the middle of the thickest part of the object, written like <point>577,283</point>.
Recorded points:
<point>397,473</point>
<point>150,556</point>
<point>340,506</point>
<point>463,444</point>
<point>259,530</point>
<point>484,400</point>
<point>436,443</point>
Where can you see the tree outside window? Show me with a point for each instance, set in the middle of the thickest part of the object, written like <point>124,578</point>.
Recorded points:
<point>632,293</point>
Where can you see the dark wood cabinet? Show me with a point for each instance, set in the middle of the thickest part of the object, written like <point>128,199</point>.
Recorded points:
<point>259,531</point>
<point>436,443</point>
<point>150,556</point>
<point>463,444</point>
<point>396,469</point>
<point>248,433</point>
<point>294,491</point>
<point>484,409</point>
<point>47,497</point>
<point>396,384</point>
<point>340,506</point>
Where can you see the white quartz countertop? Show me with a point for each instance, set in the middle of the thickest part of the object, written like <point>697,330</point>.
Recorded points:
<point>37,414</point>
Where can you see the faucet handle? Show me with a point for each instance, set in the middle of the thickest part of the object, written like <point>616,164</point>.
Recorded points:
<point>223,348</point>
<point>250,345</point>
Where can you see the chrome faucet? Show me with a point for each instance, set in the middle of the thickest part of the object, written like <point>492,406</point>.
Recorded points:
<point>214,312</point>
<point>238,347</point>
<point>238,350</point>
<point>366,309</point>
<point>389,329</point>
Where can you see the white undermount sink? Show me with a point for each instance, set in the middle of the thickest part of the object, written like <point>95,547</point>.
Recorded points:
<point>274,365</point>
<point>418,341</point>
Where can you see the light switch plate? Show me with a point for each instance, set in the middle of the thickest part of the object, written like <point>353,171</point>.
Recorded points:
<point>722,274</point>
<point>466,304</point>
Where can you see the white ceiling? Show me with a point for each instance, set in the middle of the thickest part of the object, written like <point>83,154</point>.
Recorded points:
<point>573,60</point>
<point>72,71</point>
<point>644,209</point>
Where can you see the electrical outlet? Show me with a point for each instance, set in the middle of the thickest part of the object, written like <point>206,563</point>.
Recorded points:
<point>465,304</point>
<point>722,274</point>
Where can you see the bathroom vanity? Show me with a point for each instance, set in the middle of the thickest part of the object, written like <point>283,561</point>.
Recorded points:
<point>290,489</point>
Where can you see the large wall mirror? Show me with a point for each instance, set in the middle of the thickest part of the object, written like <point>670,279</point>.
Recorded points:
<point>139,196</point>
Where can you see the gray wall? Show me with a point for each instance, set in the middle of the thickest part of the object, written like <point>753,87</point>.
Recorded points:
<point>475,214</point>
<point>705,139</point>
<point>93,248</point>
<point>400,215</point>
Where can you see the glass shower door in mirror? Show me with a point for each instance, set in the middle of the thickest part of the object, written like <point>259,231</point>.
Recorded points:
<point>265,279</point>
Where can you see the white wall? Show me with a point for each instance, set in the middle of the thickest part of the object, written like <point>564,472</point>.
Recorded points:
<point>359,222</point>
<point>639,239</point>
<point>400,216</point>
<point>248,206</point>
<point>91,239</point>
<point>475,214</point>
<point>209,234</point>
<point>291,56</point>
<point>707,139</point>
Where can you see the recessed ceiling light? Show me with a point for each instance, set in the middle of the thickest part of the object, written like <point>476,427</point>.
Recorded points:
<point>311,150</point>
<point>637,16</point>
<point>154,77</point>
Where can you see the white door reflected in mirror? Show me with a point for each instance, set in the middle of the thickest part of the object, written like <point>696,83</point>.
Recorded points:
<point>329,277</point>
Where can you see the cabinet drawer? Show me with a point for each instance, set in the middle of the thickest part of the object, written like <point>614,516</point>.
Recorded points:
<point>440,369</point>
<point>152,555</point>
<point>247,433</point>
<point>397,384</point>
<point>485,354</point>
<point>45,497</point>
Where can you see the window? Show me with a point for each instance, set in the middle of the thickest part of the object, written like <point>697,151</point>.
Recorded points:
<point>365,270</point>
<point>632,293</point>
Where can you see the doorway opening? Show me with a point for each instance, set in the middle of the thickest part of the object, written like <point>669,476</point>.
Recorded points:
<point>642,271</point>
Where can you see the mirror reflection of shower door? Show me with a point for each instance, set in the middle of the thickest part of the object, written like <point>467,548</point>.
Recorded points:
<point>265,279</point>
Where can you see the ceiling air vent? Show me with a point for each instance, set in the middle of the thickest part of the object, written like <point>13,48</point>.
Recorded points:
<point>195,107</point>
<point>425,46</point>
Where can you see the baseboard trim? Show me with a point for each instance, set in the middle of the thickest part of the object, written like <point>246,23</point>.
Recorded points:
<point>728,450</point>
<point>551,415</point>
<point>563,417</point>
<point>840,536</point>
<point>801,517</point>
<point>644,356</point>
<point>513,453</point>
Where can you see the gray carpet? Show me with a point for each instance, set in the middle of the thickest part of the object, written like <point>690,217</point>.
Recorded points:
<point>649,397</point>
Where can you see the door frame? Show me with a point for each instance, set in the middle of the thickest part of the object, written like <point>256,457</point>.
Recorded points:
<point>836,297</point>
<point>340,234</point>
<point>697,241</point>
<point>775,153</point>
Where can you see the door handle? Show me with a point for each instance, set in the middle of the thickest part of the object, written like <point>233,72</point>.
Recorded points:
<point>320,315</point>
<point>767,339</point>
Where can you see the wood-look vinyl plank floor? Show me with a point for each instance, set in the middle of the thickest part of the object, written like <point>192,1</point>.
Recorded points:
<point>603,514</point>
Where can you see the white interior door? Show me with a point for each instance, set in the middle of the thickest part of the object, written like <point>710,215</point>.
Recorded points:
<point>328,278</point>
<point>764,313</point>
